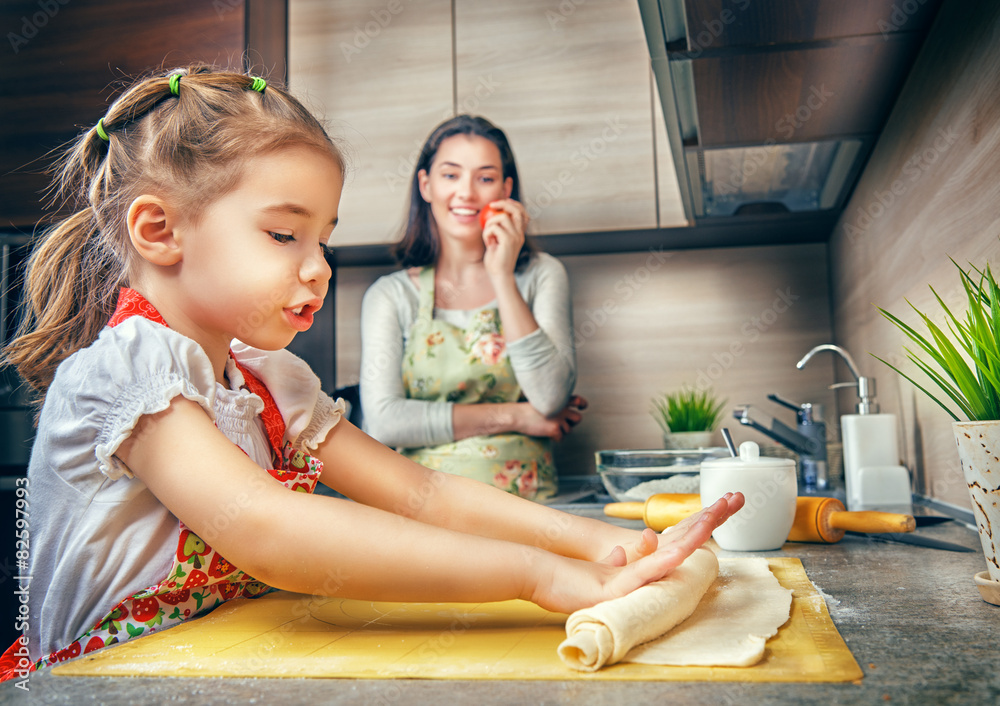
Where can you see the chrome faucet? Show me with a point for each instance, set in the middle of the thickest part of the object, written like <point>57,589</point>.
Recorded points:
<point>808,439</point>
<point>866,385</point>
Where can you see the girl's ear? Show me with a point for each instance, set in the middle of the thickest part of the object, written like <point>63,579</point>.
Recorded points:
<point>508,186</point>
<point>151,229</point>
<point>422,181</point>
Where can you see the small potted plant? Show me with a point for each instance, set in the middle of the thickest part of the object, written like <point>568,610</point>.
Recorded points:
<point>687,417</point>
<point>963,362</point>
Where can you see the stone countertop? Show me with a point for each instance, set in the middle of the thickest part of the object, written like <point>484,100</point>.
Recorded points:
<point>912,617</point>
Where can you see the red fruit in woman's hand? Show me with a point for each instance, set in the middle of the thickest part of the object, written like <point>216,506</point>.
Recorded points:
<point>486,214</point>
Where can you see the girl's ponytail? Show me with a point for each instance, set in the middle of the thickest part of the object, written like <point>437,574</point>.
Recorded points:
<point>66,300</point>
<point>70,283</point>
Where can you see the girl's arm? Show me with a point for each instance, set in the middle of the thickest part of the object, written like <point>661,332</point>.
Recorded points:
<point>323,545</point>
<point>401,486</point>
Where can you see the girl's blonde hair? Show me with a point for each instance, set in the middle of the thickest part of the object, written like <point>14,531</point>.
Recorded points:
<point>188,140</point>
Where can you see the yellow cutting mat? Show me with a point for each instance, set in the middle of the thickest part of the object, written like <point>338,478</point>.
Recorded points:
<point>293,635</point>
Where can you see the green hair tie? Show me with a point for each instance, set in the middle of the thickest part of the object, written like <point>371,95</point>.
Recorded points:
<point>175,84</point>
<point>258,84</point>
<point>100,131</point>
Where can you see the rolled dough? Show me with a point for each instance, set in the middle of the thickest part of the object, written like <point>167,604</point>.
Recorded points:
<point>735,613</point>
<point>604,633</point>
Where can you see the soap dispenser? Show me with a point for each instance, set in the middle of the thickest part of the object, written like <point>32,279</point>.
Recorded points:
<point>873,477</point>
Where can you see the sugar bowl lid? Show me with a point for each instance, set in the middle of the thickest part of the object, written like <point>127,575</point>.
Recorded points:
<point>749,456</point>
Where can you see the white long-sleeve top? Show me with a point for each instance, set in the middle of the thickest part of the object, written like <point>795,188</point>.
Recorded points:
<point>544,361</point>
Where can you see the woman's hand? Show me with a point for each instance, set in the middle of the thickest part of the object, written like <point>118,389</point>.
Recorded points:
<point>573,584</point>
<point>503,236</point>
<point>532,423</point>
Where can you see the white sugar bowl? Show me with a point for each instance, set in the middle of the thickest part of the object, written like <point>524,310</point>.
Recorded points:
<point>770,488</point>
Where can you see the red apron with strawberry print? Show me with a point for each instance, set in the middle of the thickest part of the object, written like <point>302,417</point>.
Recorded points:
<point>201,578</point>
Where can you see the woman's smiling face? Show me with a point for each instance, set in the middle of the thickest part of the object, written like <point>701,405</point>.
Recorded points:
<point>465,176</point>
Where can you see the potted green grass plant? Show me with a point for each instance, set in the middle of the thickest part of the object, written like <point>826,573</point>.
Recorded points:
<point>962,359</point>
<point>966,358</point>
<point>687,417</point>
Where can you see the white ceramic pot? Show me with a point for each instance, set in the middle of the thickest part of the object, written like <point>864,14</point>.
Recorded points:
<point>687,440</point>
<point>979,451</point>
<point>770,488</point>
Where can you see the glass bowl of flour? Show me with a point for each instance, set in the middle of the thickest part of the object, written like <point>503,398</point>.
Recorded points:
<point>632,475</point>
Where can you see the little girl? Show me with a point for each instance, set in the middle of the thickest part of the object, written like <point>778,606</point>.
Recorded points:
<point>175,429</point>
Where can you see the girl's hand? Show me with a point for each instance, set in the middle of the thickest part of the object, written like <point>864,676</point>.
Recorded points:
<point>532,423</point>
<point>649,541</point>
<point>503,235</point>
<point>576,584</point>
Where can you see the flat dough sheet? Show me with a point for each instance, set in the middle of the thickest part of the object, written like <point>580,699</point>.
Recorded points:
<point>743,608</point>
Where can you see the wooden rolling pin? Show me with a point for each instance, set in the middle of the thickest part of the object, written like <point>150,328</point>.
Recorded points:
<point>817,519</point>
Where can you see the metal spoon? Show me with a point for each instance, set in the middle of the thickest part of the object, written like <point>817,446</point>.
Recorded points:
<point>729,442</point>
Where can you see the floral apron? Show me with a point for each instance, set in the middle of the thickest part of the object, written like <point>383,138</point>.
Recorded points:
<point>444,363</point>
<point>201,578</point>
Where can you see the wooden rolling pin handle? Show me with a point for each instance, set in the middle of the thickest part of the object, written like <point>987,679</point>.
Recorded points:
<point>871,521</point>
<point>625,511</point>
<point>659,511</point>
<point>817,519</point>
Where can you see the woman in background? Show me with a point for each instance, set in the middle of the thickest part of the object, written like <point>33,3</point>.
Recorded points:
<point>467,352</point>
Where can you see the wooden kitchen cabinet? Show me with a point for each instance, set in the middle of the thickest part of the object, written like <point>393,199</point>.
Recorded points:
<point>568,82</point>
<point>380,73</point>
<point>64,61</point>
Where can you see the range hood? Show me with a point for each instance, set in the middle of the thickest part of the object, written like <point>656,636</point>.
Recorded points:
<point>774,108</point>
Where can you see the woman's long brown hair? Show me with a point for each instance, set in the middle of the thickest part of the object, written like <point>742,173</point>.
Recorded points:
<point>419,245</point>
